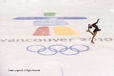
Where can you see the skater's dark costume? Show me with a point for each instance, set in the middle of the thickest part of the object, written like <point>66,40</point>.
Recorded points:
<point>95,26</point>
<point>95,30</point>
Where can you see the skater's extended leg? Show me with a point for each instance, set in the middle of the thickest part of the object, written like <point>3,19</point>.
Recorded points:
<point>93,37</point>
<point>90,31</point>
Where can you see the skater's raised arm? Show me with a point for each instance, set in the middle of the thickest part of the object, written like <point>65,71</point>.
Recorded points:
<point>96,22</point>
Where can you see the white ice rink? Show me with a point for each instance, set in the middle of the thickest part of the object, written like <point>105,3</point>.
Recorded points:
<point>66,49</point>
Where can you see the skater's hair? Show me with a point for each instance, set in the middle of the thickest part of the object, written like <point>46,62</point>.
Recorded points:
<point>89,25</point>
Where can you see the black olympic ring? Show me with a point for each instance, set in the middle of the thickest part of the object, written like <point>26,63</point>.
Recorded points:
<point>41,49</point>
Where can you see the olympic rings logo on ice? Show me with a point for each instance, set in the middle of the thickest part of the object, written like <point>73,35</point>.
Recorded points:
<point>56,48</point>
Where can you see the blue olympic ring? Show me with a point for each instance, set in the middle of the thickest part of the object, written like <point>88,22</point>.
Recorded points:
<point>41,49</point>
<point>63,50</point>
<point>85,46</point>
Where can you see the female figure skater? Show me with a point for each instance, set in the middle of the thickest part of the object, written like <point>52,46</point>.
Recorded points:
<point>95,29</point>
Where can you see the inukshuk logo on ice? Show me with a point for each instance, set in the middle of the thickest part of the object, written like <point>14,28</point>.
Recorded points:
<point>50,25</point>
